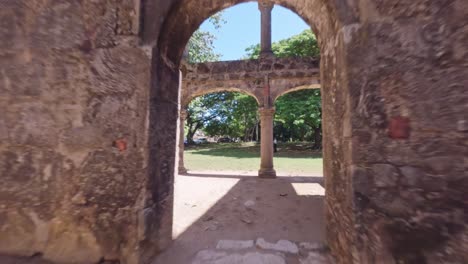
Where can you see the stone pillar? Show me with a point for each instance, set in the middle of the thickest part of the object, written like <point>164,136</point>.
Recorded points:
<point>266,143</point>
<point>265,7</point>
<point>182,117</point>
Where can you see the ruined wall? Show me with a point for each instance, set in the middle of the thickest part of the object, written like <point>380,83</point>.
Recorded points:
<point>407,64</point>
<point>284,74</point>
<point>74,94</point>
<point>393,76</point>
<point>73,110</point>
<point>326,19</point>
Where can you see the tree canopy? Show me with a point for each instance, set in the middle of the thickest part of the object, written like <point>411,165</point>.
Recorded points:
<point>301,45</point>
<point>200,46</point>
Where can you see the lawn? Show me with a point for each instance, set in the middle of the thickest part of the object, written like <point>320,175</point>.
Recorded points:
<point>291,158</point>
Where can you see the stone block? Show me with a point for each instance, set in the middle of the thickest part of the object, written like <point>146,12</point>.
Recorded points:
<point>216,257</point>
<point>282,246</point>
<point>119,71</point>
<point>385,175</point>
<point>235,244</point>
<point>83,137</point>
<point>3,131</point>
<point>314,258</point>
<point>33,124</point>
<point>58,25</point>
<point>72,243</point>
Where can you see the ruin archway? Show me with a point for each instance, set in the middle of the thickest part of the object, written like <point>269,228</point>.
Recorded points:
<point>185,100</point>
<point>189,97</point>
<point>356,123</point>
<point>88,151</point>
<point>167,54</point>
<point>295,89</point>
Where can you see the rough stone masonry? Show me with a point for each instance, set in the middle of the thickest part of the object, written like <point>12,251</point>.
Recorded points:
<point>88,125</point>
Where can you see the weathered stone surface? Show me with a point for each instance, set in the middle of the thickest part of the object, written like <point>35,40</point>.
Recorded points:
<point>71,68</point>
<point>282,245</point>
<point>385,175</point>
<point>235,244</point>
<point>314,258</point>
<point>248,76</point>
<point>311,246</point>
<point>212,257</point>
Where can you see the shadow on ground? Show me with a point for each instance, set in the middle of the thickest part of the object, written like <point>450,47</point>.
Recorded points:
<point>210,207</point>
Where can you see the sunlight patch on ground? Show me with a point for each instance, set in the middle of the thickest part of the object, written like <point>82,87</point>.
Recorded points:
<point>309,189</point>
<point>194,196</point>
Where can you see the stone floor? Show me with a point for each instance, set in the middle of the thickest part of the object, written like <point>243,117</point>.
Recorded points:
<point>263,252</point>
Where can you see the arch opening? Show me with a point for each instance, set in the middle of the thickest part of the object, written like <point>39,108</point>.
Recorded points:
<point>182,23</point>
<point>87,151</point>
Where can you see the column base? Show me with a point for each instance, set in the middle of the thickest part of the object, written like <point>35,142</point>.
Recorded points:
<point>182,170</point>
<point>267,173</point>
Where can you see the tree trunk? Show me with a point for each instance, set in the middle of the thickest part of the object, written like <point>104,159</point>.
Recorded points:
<point>317,138</point>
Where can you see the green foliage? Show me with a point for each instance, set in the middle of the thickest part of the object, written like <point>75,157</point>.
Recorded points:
<point>230,114</point>
<point>239,121</point>
<point>299,116</point>
<point>200,46</point>
<point>204,110</point>
<point>301,45</point>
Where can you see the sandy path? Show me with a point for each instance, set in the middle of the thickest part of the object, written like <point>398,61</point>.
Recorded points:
<point>210,206</point>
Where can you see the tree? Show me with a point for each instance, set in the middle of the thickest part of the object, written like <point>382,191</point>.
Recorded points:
<point>204,110</point>
<point>239,121</point>
<point>299,116</point>
<point>301,45</point>
<point>200,46</point>
<point>230,114</point>
<point>201,49</point>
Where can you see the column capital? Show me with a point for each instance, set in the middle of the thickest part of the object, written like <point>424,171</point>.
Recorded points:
<point>265,5</point>
<point>266,111</point>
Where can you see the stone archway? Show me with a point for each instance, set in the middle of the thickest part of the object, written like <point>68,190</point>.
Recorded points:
<point>187,95</point>
<point>356,122</point>
<point>181,24</point>
<point>295,89</point>
<point>87,152</point>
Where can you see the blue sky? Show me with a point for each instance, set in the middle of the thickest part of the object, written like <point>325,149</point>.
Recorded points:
<point>243,28</point>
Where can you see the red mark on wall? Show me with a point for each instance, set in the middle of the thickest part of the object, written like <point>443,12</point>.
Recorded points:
<point>399,127</point>
<point>120,144</point>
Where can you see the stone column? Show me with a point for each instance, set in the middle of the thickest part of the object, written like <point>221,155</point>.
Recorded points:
<point>182,117</point>
<point>265,7</point>
<point>266,143</point>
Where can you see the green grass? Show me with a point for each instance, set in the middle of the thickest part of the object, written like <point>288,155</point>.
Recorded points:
<point>292,158</point>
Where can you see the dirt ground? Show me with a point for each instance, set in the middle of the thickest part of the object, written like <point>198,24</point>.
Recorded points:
<point>211,206</point>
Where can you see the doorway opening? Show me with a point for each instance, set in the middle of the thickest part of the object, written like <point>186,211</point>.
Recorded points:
<point>219,200</point>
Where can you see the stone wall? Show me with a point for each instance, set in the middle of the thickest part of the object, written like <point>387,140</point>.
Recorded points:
<point>393,78</point>
<point>249,76</point>
<point>84,108</point>
<point>408,63</point>
<point>73,121</point>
